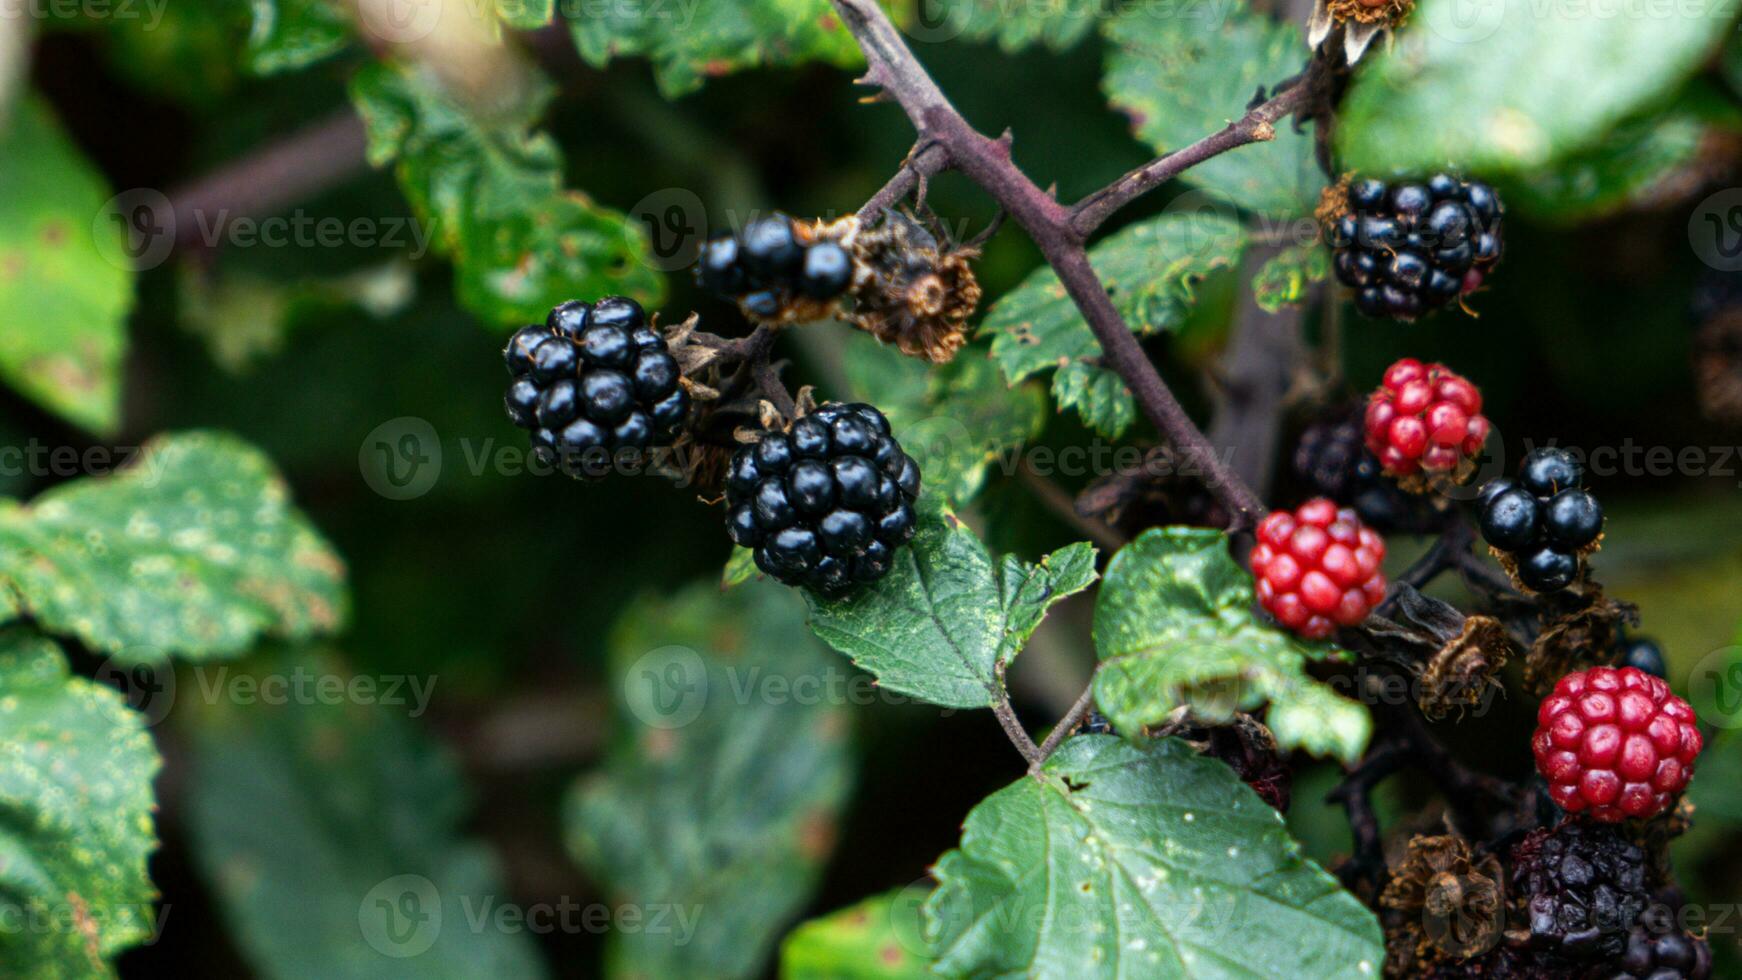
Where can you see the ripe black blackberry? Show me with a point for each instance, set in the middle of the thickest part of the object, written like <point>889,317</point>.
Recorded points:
<point>1333,460</point>
<point>1583,885</point>
<point>1408,248</point>
<point>1644,654</point>
<point>826,503</point>
<point>592,381</point>
<point>1659,955</point>
<point>775,264</point>
<point>1543,523</point>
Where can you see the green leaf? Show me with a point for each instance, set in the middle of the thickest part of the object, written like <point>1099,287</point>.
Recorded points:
<point>957,421</point>
<point>1174,624</point>
<point>690,43</point>
<point>1181,78</point>
<point>947,618</point>
<point>193,549</point>
<point>740,568</point>
<point>65,287</point>
<point>1151,269</point>
<point>76,808</point>
<point>721,798</point>
<point>341,818</point>
<point>1058,25</point>
<point>1149,860</point>
<point>880,938</point>
<point>1286,278</point>
<point>1518,85</point>
<point>286,35</point>
<point>1638,159</point>
<point>492,193</point>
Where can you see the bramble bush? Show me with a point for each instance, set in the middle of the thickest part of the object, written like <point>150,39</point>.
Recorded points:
<point>1166,455</point>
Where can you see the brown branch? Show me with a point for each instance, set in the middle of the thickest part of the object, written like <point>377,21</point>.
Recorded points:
<point>1013,729</point>
<point>1257,126</point>
<point>987,162</point>
<point>1066,725</point>
<point>925,161</point>
<point>1258,372</point>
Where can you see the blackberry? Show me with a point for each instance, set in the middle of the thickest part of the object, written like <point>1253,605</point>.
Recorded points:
<point>1543,523</point>
<point>775,262</point>
<point>1096,724</point>
<point>1659,955</point>
<point>826,503</point>
<point>1582,885</point>
<point>594,380</point>
<point>1333,460</point>
<point>1409,248</point>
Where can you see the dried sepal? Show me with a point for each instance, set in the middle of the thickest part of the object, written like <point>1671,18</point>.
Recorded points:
<point>1452,903</point>
<point>1361,20</point>
<point>1466,669</point>
<point>1582,636</point>
<point>911,291</point>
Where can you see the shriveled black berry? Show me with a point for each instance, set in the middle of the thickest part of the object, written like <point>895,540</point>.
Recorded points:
<point>826,503</point>
<point>1643,654</point>
<point>769,264</point>
<point>1511,519</point>
<point>593,380</point>
<point>828,270</point>
<point>1548,570</point>
<point>1573,519</point>
<point>1548,471</point>
<point>769,248</point>
<point>1583,886</point>
<point>1409,248</point>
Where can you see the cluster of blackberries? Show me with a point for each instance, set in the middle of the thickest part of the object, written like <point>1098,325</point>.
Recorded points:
<point>1409,248</point>
<point>826,503</point>
<point>1583,886</point>
<point>769,263</point>
<point>592,381</point>
<point>1544,522</point>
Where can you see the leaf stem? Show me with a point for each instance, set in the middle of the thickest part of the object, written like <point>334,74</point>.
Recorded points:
<point>1066,725</point>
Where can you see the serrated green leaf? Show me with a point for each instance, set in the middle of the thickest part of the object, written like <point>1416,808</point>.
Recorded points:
<point>943,622</point>
<point>1058,24</point>
<point>720,799</point>
<point>1518,85</point>
<point>194,549</point>
<point>1174,625</point>
<point>1181,77</point>
<point>344,819</point>
<point>65,287</point>
<point>76,806</point>
<point>690,43</point>
<point>880,938</point>
<point>1287,277</point>
<point>1634,161</point>
<point>1148,860</point>
<point>1151,269</point>
<point>958,421</point>
<point>492,194</point>
<point>285,35</point>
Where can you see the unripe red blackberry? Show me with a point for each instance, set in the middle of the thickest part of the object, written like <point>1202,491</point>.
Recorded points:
<point>826,503</point>
<point>1615,743</point>
<point>1317,568</point>
<point>1409,248</point>
<point>1425,422</point>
